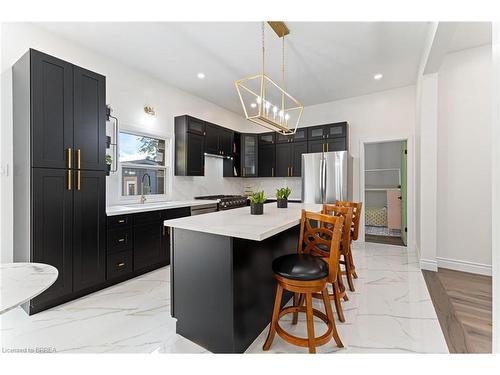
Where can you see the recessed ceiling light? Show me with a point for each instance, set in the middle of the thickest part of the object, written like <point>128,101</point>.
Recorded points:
<point>377,76</point>
<point>201,75</point>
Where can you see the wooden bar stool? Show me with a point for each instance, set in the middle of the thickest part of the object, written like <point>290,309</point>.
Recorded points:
<point>345,244</point>
<point>356,216</point>
<point>338,288</point>
<point>304,274</point>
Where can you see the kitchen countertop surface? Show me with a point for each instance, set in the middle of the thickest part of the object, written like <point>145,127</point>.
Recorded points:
<point>125,209</point>
<point>240,224</point>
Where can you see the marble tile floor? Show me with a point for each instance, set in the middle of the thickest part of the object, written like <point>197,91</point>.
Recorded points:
<point>390,312</point>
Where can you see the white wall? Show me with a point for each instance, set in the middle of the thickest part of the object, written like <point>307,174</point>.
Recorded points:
<point>464,161</point>
<point>495,141</point>
<point>427,165</point>
<point>127,91</point>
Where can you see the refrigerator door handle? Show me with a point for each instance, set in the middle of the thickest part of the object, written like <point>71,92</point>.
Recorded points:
<point>323,180</point>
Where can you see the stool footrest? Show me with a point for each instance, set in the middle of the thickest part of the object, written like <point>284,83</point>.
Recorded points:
<point>301,341</point>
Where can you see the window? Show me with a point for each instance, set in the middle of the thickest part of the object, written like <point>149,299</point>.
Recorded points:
<point>143,161</point>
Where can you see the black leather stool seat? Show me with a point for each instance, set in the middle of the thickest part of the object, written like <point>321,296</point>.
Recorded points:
<point>302,267</point>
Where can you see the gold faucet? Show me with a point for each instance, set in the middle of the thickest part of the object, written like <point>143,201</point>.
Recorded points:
<point>143,196</point>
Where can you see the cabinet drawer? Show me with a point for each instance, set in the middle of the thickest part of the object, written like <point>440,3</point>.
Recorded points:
<point>119,221</point>
<point>119,240</point>
<point>119,264</point>
<point>196,126</point>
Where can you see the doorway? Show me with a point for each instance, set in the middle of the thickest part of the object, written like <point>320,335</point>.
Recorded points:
<point>385,192</point>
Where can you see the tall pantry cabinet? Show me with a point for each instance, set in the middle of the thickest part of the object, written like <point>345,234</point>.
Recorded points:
<point>59,174</point>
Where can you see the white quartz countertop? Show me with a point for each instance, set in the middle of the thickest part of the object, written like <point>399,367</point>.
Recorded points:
<point>240,224</point>
<point>125,209</point>
<point>23,281</point>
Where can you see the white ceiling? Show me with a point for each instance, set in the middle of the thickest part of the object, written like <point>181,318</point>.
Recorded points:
<point>325,61</point>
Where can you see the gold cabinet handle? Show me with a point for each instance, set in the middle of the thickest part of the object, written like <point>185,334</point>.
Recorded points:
<point>78,182</point>
<point>327,147</point>
<point>69,179</point>
<point>121,240</point>
<point>272,171</point>
<point>121,221</point>
<point>78,154</point>
<point>291,171</point>
<point>121,264</point>
<point>69,157</point>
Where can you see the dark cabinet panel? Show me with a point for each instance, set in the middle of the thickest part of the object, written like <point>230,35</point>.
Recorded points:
<point>51,111</point>
<point>267,160</point>
<point>119,264</point>
<point>195,125</point>
<point>89,250</point>
<point>315,132</point>
<point>226,140</point>
<point>283,159</point>
<point>316,146</point>
<point>119,239</point>
<point>338,130</point>
<point>52,224</point>
<point>218,141</point>
<point>299,148</point>
<point>212,139</point>
<point>249,155</point>
<point>300,135</point>
<point>89,119</point>
<point>189,146</point>
<point>267,138</point>
<point>149,244</point>
<point>338,144</point>
<point>195,155</point>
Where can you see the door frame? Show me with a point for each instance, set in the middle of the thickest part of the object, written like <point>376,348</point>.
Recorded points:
<point>410,196</point>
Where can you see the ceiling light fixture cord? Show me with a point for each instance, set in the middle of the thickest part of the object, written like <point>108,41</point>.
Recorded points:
<point>263,49</point>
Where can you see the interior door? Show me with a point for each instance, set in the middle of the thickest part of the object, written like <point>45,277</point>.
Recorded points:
<point>89,244</point>
<point>404,198</point>
<point>52,111</point>
<point>52,223</point>
<point>89,119</point>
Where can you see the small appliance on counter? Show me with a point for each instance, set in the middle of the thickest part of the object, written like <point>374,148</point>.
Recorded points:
<point>227,202</point>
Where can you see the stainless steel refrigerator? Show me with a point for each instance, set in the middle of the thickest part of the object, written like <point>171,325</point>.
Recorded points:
<point>326,177</point>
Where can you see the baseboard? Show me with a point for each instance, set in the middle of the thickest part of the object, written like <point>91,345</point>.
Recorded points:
<point>428,264</point>
<point>464,266</point>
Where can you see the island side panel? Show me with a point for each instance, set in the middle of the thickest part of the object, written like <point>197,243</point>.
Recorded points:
<point>254,285</point>
<point>202,287</point>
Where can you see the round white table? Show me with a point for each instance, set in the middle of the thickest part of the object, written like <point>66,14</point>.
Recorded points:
<point>21,282</point>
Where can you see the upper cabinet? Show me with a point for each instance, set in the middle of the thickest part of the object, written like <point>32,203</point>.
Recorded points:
<point>249,155</point>
<point>267,154</point>
<point>89,108</point>
<point>218,140</point>
<point>299,136</point>
<point>327,138</point>
<point>68,115</point>
<point>189,146</point>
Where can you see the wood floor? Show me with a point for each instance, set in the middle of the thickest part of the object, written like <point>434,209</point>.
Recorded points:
<point>463,303</point>
<point>387,240</point>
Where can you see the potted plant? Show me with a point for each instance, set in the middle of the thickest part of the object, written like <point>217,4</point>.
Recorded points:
<point>109,162</point>
<point>282,195</point>
<point>257,203</point>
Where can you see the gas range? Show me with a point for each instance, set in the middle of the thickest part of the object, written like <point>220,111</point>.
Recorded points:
<point>227,202</point>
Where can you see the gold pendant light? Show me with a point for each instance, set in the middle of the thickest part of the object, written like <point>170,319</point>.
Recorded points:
<point>264,101</point>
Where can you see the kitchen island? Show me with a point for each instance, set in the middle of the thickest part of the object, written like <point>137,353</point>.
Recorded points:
<point>222,286</point>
